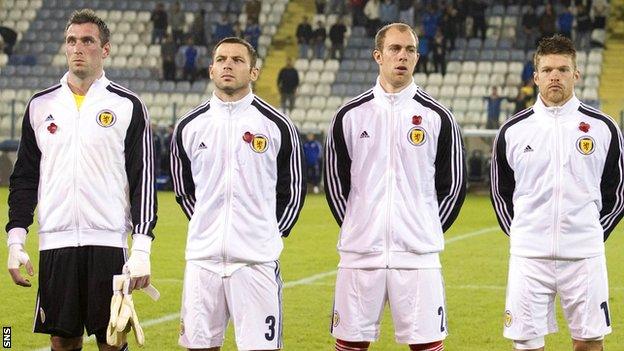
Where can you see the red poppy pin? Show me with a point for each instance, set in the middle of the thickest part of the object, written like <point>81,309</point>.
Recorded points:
<point>52,128</point>
<point>416,120</point>
<point>584,127</point>
<point>248,137</point>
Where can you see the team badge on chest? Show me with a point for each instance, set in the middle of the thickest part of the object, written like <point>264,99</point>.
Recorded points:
<point>258,142</point>
<point>106,118</point>
<point>585,145</point>
<point>417,136</point>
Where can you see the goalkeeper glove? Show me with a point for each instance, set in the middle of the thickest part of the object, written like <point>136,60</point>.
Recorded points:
<point>18,257</point>
<point>138,265</point>
<point>113,337</point>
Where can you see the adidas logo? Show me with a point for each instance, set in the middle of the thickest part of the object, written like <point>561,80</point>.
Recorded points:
<point>49,118</point>
<point>528,148</point>
<point>364,135</point>
<point>202,146</point>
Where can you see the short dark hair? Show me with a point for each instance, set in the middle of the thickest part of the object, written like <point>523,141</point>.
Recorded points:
<point>555,45</point>
<point>89,16</point>
<point>381,34</point>
<point>253,55</point>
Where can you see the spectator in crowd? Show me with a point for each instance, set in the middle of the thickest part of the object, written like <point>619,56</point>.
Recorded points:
<point>583,27</point>
<point>190,53</point>
<point>528,31</point>
<point>223,29</point>
<point>238,31</point>
<point>449,26</point>
<point>320,6</point>
<point>547,22</point>
<point>493,108</point>
<point>287,83</point>
<point>527,71</point>
<point>198,28</point>
<point>371,11</point>
<point>304,37</point>
<point>477,11</point>
<point>176,20</point>
<point>158,148</point>
<point>430,22</point>
<point>168,54</point>
<point>336,37</point>
<point>313,151</point>
<point>252,33</point>
<point>600,8</point>
<point>406,12</point>
<point>475,167</point>
<point>388,12</point>
<point>423,51</point>
<point>462,9</point>
<point>159,23</point>
<point>357,10</point>
<point>252,9</point>
<point>319,35</point>
<point>565,20</point>
<point>526,96</point>
<point>336,7</point>
<point>438,50</point>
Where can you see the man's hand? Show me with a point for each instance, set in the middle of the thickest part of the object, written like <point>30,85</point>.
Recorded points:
<point>17,258</point>
<point>138,265</point>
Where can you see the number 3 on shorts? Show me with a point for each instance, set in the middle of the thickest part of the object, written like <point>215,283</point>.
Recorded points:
<point>605,308</point>
<point>270,321</point>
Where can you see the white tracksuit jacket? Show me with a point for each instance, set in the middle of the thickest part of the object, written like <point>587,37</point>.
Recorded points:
<point>238,176</point>
<point>557,186</point>
<point>394,177</point>
<point>89,172</point>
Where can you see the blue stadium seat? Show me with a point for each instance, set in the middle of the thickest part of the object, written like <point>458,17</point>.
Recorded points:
<point>339,89</point>
<point>517,55</point>
<point>487,55</point>
<point>502,55</point>
<point>461,43</point>
<point>343,77</point>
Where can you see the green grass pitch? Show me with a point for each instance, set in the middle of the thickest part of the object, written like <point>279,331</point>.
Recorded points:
<point>474,266</point>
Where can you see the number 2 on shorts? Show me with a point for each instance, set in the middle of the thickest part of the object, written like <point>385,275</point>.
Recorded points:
<point>270,320</point>
<point>441,314</point>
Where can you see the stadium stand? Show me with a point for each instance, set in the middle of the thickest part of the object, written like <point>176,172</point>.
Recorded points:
<point>473,67</point>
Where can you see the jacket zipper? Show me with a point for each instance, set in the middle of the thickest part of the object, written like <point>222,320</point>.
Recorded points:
<point>75,180</point>
<point>557,189</point>
<point>228,185</point>
<point>390,178</point>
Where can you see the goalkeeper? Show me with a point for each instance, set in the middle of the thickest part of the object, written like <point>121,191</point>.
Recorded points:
<point>85,161</point>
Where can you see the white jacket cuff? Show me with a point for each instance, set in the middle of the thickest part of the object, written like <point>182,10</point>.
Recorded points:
<point>142,242</point>
<point>16,236</point>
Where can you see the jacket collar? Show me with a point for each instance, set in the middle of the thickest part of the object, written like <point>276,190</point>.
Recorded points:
<point>557,111</point>
<point>231,108</point>
<point>394,98</point>
<point>98,84</point>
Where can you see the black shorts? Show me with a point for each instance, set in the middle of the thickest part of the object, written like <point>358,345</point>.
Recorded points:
<point>75,289</point>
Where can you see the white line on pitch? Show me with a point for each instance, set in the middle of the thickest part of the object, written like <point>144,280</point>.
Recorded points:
<point>303,281</point>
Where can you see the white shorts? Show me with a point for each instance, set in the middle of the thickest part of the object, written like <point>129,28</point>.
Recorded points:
<point>251,296</point>
<point>415,296</point>
<point>583,290</point>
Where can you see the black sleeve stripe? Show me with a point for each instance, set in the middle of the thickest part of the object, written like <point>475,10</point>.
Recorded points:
<point>451,196</point>
<point>183,184</point>
<point>291,185</point>
<point>502,175</point>
<point>143,194</point>
<point>337,160</point>
<point>612,183</point>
